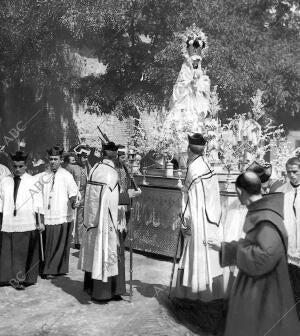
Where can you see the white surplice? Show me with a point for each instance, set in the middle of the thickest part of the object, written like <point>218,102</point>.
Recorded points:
<point>98,253</point>
<point>292,220</point>
<point>57,189</point>
<point>202,212</point>
<point>233,219</point>
<point>4,171</point>
<point>28,202</point>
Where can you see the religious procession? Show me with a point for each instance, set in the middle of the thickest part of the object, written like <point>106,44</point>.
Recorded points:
<point>173,210</point>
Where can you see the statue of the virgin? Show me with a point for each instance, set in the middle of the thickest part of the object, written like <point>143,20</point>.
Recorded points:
<point>189,103</point>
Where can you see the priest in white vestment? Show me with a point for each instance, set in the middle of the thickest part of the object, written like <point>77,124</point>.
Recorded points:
<point>200,275</point>
<point>291,192</point>
<point>100,241</point>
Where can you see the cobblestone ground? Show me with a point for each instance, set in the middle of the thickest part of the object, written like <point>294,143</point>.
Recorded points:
<point>60,307</point>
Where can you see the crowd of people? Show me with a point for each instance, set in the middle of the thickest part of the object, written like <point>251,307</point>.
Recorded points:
<point>42,214</point>
<point>72,202</point>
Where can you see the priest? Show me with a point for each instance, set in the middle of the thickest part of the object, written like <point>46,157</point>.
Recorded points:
<point>200,275</point>
<point>100,256</point>
<point>20,203</point>
<point>60,199</point>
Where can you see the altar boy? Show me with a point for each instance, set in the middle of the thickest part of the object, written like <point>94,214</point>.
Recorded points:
<point>59,195</point>
<point>20,201</point>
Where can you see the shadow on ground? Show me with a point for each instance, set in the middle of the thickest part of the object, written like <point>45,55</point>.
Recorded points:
<point>197,316</point>
<point>72,287</point>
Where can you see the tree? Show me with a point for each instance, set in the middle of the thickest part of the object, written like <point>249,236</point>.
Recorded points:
<point>252,45</point>
<point>249,50</point>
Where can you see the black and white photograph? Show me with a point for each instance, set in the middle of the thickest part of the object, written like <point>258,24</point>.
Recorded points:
<point>149,167</point>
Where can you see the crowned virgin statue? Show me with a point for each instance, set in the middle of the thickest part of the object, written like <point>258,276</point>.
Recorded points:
<point>190,99</point>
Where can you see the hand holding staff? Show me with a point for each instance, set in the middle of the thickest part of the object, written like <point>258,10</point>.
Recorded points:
<point>41,228</point>
<point>175,255</point>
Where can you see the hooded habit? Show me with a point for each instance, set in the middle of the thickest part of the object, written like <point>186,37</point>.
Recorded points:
<point>261,301</point>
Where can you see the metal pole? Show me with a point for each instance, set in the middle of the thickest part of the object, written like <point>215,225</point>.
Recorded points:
<point>130,250</point>
<point>174,262</point>
<point>41,238</point>
<point>131,233</point>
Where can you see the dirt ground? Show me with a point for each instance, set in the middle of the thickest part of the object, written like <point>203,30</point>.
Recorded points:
<point>60,307</point>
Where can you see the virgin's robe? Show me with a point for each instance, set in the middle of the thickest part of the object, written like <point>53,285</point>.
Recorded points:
<point>190,98</point>
<point>200,274</point>
<point>261,301</point>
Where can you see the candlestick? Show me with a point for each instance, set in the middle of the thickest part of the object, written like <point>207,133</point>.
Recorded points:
<point>179,183</point>
<point>144,176</point>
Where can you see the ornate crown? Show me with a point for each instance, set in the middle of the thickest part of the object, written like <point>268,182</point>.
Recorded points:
<point>194,42</point>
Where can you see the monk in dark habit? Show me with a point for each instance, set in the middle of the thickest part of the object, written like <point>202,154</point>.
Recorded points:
<point>261,302</point>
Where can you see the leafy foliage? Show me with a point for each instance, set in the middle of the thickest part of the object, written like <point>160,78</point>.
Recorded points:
<point>252,45</point>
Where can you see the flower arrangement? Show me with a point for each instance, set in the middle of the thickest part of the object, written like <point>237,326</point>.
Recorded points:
<point>242,139</point>
<point>234,143</point>
<point>152,133</point>
<point>282,150</point>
